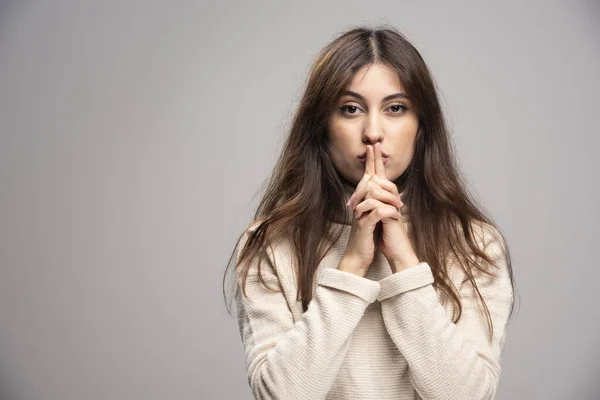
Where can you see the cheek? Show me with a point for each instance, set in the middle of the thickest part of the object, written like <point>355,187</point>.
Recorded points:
<point>408,149</point>
<point>340,159</point>
<point>406,138</point>
<point>404,155</point>
<point>340,142</point>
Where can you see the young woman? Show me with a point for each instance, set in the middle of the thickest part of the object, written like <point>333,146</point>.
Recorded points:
<point>369,272</point>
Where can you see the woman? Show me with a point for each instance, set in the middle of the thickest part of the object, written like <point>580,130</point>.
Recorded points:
<point>369,272</point>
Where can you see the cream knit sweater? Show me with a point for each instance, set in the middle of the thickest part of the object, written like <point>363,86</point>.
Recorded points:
<point>384,336</point>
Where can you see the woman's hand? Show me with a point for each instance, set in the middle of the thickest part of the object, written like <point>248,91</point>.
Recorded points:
<point>375,194</point>
<point>361,247</point>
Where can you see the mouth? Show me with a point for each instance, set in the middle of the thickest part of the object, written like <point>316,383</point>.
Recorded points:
<point>364,159</point>
<point>364,154</point>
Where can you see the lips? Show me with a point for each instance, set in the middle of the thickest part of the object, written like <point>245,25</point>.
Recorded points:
<point>364,159</point>
<point>364,155</point>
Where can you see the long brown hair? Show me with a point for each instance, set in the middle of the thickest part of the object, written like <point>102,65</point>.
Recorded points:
<point>305,193</point>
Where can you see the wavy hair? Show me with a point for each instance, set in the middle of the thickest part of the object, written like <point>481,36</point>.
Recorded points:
<point>305,195</point>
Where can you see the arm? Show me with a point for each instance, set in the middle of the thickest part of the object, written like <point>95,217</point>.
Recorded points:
<point>447,360</point>
<point>287,360</point>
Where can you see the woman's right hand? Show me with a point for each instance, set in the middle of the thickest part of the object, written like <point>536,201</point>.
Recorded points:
<point>362,244</point>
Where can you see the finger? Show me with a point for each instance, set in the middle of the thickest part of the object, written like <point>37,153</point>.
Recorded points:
<point>369,171</point>
<point>362,189</point>
<point>390,187</point>
<point>377,187</point>
<point>370,205</point>
<point>379,214</point>
<point>379,167</point>
<point>383,213</point>
<point>366,206</point>
<point>370,161</point>
<point>354,199</point>
<point>379,193</point>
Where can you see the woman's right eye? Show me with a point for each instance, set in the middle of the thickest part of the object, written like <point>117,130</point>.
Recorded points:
<point>351,110</point>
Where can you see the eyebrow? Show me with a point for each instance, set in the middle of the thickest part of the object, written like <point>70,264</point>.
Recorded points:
<point>386,98</point>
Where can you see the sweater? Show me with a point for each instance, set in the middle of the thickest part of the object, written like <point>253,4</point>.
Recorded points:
<point>383,336</point>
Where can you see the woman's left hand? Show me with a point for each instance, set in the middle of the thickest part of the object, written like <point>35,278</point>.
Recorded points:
<point>377,192</point>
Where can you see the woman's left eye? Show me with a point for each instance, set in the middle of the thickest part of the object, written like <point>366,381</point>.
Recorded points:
<point>398,108</point>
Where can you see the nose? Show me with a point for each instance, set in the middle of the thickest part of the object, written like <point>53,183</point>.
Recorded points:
<point>372,132</point>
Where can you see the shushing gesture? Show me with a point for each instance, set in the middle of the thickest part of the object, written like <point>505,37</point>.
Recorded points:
<point>376,201</point>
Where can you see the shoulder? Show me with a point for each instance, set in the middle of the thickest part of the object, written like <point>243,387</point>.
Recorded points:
<point>277,249</point>
<point>495,272</point>
<point>489,239</point>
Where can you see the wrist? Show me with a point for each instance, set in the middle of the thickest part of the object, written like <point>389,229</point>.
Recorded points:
<point>348,264</point>
<point>404,264</point>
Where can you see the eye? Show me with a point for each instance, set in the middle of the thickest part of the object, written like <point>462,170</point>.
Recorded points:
<point>398,108</point>
<point>349,109</point>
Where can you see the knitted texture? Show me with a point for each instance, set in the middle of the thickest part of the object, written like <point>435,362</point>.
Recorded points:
<point>382,336</point>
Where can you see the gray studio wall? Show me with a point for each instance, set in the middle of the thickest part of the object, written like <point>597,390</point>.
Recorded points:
<point>134,135</point>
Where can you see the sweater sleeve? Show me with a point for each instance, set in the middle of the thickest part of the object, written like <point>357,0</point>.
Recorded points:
<point>447,360</point>
<point>299,360</point>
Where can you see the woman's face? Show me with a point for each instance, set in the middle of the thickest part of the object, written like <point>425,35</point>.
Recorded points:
<point>373,109</point>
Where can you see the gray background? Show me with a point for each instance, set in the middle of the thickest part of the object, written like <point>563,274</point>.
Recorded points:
<point>134,136</point>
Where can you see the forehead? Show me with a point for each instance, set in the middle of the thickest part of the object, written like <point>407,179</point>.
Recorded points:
<point>375,79</point>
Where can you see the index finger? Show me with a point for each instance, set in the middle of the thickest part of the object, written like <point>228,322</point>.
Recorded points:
<point>359,186</point>
<point>370,161</point>
<point>379,166</point>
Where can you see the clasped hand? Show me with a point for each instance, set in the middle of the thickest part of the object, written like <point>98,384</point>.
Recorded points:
<point>376,192</point>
